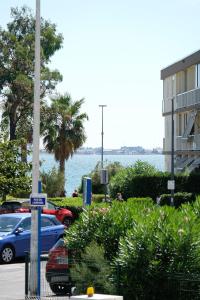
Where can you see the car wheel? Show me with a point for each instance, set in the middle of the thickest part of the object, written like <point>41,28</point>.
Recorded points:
<point>60,289</point>
<point>7,254</point>
<point>67,221</point>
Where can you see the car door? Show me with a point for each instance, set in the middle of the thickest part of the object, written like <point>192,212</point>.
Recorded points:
<point>22,241</point>
<point>49,233</point>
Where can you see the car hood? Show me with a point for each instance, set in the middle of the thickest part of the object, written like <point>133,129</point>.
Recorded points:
<point>3,233</point>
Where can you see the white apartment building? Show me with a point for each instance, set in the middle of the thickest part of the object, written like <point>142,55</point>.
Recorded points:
<point>181,88</point>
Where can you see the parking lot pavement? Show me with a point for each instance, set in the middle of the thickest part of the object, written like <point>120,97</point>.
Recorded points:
<point>12,281</point>
<point>12,286</point>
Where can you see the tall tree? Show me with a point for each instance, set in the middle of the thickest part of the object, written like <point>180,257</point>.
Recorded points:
<point>64,131</point>
<point>17,69</point>
<point>14,174</point>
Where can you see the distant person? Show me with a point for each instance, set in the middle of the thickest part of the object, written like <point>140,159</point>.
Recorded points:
<point>75,193</point>
<point>119,197</point>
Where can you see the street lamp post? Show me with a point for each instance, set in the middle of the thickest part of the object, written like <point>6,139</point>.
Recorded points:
<point>172,153</point>
<point>104,177</point>
<point>102,133</point>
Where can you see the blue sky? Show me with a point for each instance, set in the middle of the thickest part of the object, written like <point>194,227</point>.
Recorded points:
<point>112,54</point>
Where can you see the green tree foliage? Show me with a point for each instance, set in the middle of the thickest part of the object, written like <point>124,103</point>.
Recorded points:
<point>52,182</point>
<point>130,181</point>
<point>113,168</point>
<point>17,70</point>
<point>64,131</point>
<point>143,168</point>
<point>14,174</point>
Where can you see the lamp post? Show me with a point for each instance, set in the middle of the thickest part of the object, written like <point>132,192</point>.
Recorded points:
<point>102,133</point>
<point>172,154</point>
<point>104,173</point>
<point>34,253</point>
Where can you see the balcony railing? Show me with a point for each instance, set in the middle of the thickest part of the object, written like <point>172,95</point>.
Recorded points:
<point>183,100</point>
<point>187,99</point>
<point>193,143</point>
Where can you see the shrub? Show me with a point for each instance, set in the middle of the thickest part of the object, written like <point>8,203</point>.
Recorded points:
<point>147,243</point>
<point>163,244</point>
<point>179,199</point>
<point>132,185</point>
<point>92,269</point>
<point>53,182</point>
<point>63,202</point>
<point>97,198</point>
<point>143,201</point>
<point>97,187</point>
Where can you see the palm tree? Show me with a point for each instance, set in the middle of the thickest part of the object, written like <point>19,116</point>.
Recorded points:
<point>63,130</point>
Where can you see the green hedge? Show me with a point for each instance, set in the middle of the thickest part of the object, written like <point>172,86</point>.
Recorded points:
<point>97,198</point>
<point>179,199</point>
<point>69,201</point>
<point>133,185</point>
<point>144,201</point>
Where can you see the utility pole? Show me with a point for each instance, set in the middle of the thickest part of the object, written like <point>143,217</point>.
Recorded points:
<point>34,253</point>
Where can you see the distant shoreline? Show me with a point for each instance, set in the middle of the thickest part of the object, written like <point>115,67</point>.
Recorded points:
<point>112,153</point>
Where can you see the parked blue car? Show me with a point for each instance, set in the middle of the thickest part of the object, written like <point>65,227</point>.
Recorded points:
<point>15,234</point>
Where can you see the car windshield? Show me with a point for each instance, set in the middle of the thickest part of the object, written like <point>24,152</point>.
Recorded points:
<point>7,224</point>
<point>11,205</point>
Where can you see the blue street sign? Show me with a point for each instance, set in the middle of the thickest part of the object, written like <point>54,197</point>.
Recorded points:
<point>38,199</point>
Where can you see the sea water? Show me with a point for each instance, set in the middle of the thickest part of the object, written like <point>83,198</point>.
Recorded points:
<point>79,165</point>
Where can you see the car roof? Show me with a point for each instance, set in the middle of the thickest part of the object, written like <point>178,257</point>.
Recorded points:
<point>25,215</point>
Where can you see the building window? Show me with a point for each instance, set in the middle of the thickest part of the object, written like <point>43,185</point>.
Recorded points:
<point>185,117</point>
<point>179,125</point>
<point>198,75</point>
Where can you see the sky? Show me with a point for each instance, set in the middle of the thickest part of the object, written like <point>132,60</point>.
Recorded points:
<point>112,54</point>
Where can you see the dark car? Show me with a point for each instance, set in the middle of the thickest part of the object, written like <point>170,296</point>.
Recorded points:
<point>58,270</point>
<point>8,207</point>
<point>15,234</point>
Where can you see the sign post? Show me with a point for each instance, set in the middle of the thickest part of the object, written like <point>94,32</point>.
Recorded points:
<point>87,191</point>
<point>34,259</point>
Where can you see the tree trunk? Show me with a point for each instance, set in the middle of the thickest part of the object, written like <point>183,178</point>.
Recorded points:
<point>62,170</point>
<point>12,128</point>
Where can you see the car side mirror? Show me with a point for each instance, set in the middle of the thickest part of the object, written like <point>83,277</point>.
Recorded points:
<point>19,230</point>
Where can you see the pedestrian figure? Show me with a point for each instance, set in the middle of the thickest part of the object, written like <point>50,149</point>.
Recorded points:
<point>75,193</point>
<point>119,197</point>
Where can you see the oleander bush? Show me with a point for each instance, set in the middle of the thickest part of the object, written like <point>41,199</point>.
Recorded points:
<point>92,269</point>
<point>146,242</point>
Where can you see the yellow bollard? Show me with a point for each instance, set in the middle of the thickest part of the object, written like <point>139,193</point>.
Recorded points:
<point>90,291</point>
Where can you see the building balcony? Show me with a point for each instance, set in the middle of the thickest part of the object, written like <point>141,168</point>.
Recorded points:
<point>187,99</point>
<point>190,144</point>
